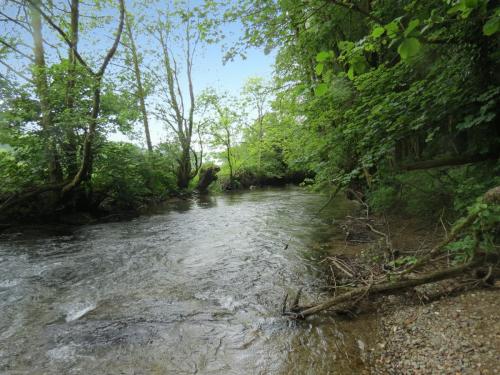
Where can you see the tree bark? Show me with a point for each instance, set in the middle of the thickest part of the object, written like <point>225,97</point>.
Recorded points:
<point>207,176</point>
<point>184,168</point>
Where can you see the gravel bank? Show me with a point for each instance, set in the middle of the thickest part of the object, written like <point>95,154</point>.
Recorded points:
<point>453,335</point>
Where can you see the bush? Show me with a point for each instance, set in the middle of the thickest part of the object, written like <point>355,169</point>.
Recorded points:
<point>383,198</point>
<point>129,175</point>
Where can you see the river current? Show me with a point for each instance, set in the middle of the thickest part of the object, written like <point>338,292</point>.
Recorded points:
<point>195,287</point>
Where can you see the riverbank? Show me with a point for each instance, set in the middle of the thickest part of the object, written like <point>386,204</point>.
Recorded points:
<point>455,334</point>
<point>450,327</point>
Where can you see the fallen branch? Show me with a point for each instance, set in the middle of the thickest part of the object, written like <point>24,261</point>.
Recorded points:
<point>399,281</point>
<point>455,161</point>
<point>382,288</point>
<point>341,266</point>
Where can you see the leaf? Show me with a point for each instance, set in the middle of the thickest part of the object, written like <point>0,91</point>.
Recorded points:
<point>319,69</point>
<point>409,48</point>
<point>321,89</point>
<point>392,29</point>
<point>460,7</point>
<point>471,3</point>
<point>411,26</point>
<point>491,26</point>
<point>378,32</point>
<point>323,56</point>
<point>345,45</point>
<point>359,65</point>
<point>350,73</point>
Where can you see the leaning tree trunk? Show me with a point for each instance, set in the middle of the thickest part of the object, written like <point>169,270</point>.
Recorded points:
<point>207,176</point>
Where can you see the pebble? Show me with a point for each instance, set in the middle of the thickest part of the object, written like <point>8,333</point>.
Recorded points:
<point>457,335</point>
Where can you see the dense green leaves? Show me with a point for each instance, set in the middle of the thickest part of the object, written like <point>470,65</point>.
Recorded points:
<point>357,94</point>
<point>411,81</point>
<point>321,89</point>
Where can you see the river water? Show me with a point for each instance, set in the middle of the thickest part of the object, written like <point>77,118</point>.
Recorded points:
<point>193,288</point>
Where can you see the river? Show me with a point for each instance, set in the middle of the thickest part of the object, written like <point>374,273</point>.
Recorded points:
<point>195,287</point>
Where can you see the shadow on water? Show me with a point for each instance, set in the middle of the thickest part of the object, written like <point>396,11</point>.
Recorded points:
<point>195,287</point>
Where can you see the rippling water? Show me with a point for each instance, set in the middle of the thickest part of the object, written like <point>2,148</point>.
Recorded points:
<point>195,288</point>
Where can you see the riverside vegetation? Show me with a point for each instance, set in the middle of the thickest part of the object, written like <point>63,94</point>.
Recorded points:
<point>394,103</point>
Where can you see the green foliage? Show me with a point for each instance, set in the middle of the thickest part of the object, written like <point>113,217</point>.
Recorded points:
<point>21,166</point>
<point>130,175</point>
<point>483,236</point>
<point>357,94</point>
<point>383,198</point>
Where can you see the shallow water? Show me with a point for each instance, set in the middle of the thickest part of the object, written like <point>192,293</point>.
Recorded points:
<point>194,288</point>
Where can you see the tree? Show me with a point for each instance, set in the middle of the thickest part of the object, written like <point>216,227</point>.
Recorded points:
<point>40,78</point>
<point>177,111</point>
<point>256,92</point>
<point>223,126</point>
<point>43,12</point>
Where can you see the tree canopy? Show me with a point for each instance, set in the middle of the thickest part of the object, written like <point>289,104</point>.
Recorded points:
<point>395,100</point>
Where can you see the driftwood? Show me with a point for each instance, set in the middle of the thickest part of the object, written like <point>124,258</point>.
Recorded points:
<point>387,287</point>
<point>401,281</point>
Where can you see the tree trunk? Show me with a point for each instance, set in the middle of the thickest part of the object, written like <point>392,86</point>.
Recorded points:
<point>83,172</point>
<point>207,176</point>
<point>71,145</point>
<point>138,80</point>
<point>454,161</point>
<point>184,169</point>
<point>229,161</point>
<point>54,166</point>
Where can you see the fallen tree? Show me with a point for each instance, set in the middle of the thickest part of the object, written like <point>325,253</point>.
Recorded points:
<point>449,162</point>
<point>399,280</point>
